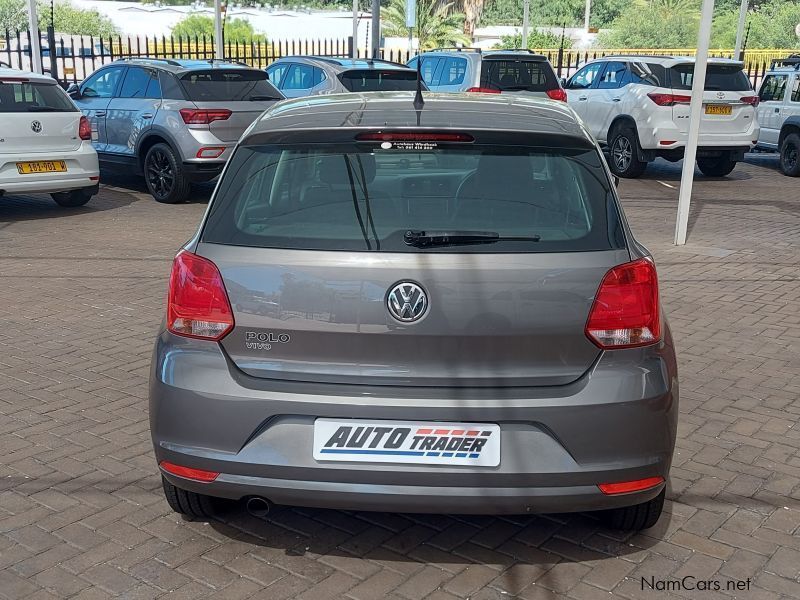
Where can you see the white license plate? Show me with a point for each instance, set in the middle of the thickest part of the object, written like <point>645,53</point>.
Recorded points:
<point>415,442</point>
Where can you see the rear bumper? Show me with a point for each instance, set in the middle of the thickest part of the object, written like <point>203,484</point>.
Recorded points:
<point>616,423</point>
<point>83,171</point>
<point>202,170</point>
<point>656,138</point>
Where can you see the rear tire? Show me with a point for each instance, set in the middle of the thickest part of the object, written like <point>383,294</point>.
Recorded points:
<point>71,199</point>
<point>164,175</point>
<point>790,155</point>
<point>637,517</point>
<point>624,149</point>
<point>716,167</point>
<point>191,504</point>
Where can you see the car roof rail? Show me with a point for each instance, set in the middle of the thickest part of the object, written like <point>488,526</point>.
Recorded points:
<point>458,48</point>
<point>168,61</point>
<point>793,60</point>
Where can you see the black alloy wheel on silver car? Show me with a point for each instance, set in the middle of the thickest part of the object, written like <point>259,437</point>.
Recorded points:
<point>625,153</point>
<point>790,155</point>
<point>164,175</point>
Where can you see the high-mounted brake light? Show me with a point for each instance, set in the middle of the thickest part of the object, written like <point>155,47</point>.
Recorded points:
<point>668,99</point>
<point>417,136</point>
<point>483,90</point>
<point>625,312</point>
<point>14,79</point>
<point>197,304</point>
<point>752,100</point>
<point>626,487</point>
<point>84,129</point>
<point>188,472</point>
<point>557,94</point>
<point>203,116</point>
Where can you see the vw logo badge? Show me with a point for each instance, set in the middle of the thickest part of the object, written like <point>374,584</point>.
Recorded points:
<point>720,95</point>
<point>407,302</point>
<point>36,126</point>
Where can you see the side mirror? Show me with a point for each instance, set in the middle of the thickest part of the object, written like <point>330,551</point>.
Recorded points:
<point>563,82</point>
<point>73,91</point>
<point>616,180</point>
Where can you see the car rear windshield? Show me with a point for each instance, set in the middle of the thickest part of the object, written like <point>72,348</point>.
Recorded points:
<point>219,85</point>
<point>728,78</point>
<point>517,74</point>
<point>374,80</point>
<point>33,96</point>
<point>366,196</point>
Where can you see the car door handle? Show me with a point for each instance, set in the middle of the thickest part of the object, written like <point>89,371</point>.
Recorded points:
<point>100,113</point>
<point>583,98</point>
<point>777,110</point>
<point>147,116</point>
<point>616,99</point>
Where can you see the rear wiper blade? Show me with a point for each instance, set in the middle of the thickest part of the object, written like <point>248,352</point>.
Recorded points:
<point>428,239</point>
<point>257,98</point>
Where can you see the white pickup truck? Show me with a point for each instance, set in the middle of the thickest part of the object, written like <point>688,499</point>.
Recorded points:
<point>779,113</point>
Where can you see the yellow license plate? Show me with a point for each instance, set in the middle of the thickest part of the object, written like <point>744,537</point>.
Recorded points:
<point>41,166</point>
<point>718,109</point>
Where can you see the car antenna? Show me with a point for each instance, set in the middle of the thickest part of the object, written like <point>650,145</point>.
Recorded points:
<point>419,101</point>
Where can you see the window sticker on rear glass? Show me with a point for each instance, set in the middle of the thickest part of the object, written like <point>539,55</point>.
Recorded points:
<point>416,146</point>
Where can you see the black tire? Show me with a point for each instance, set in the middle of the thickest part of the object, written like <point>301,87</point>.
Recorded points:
<point>716,167</point>
<point>71,199</point>
<point>790,155</point>
<point>164,175</point>
<point>624,150</point>
<point>638,517</point>
<point>191,504</point>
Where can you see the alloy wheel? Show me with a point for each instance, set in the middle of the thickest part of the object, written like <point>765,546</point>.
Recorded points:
<point>622,152</point>
<point>160,174</point>
<point>790,157</point>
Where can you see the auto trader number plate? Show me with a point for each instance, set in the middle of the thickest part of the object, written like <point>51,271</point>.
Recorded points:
<point>41,166</point>
<point>718,109</point>
<point>415,442</point>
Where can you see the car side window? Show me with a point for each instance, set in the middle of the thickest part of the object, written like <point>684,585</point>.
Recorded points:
<point>137,81</point>
<point>102,84</point>
<point>612,76</point>
<point>429,65</point>
<point>453,71</point>
<point>153,85</point>
<point>318,77</point>
<point>773,88</point>
<point>585,77</point>
<point>276,73</point>
<point>299,77</point>
<point>796,89</point>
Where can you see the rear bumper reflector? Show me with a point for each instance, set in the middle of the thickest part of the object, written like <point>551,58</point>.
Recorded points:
<point>188,472</point>
<point>626,487</point>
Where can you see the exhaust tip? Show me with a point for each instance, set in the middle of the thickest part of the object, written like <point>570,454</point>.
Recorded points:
<point>258,507</point>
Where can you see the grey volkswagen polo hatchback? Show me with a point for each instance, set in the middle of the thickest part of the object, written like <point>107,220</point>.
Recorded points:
<point>412,307</point>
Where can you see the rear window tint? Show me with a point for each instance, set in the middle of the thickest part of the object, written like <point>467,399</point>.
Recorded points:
<point>728,78</point>
<point>28,96</point>
<point>219,85</point>
<point>365,196</point>
<point>372,80</point>
<point>518,75</point>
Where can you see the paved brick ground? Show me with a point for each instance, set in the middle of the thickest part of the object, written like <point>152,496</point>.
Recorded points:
<point>82,515</point>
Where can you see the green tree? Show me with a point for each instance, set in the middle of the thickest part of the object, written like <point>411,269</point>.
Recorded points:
<point>553,12</point>
<point>654,24</point>
<point>437,24</point>
<point>772,25</point>
<point>536,39</point>
<point>68,18</point>
<point>236,30</point>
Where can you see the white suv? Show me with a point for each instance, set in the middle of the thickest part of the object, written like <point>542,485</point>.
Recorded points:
<point>45,141</point>
<point>779,113</point>
<point>639,107</point>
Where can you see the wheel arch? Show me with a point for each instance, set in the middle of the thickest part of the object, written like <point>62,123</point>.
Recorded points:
<point>151,138</point>
<point>790,125</point>
<point>624,121</point>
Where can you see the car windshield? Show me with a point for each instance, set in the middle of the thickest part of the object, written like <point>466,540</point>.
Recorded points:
<point>727,78</point>
<point>373,80</point>
<point>517,75</point>
<point>387,195</point>
<point>216,85</point>
<point>33,96</point>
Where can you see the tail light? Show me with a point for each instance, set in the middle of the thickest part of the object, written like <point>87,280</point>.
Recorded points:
<point>626,487</point>
<point>625,313</point>
<point>84,129</point>
<point>483,90</point>
<point>197,304</point>
<point>202,116</point>
<point>668,99</point>
<point>557,94</point>
<point>752,100</point>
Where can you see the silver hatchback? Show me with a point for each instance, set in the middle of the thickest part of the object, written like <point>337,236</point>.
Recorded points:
<point>416,307</point>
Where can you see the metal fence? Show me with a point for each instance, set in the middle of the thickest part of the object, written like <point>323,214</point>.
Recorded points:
<point>70,58</point>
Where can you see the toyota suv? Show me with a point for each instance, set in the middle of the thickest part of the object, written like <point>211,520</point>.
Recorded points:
<point>460,320</point>
<point>490,72</point>
<point>175,121</point>
<point>779,113</point>
<point>638,106</point>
